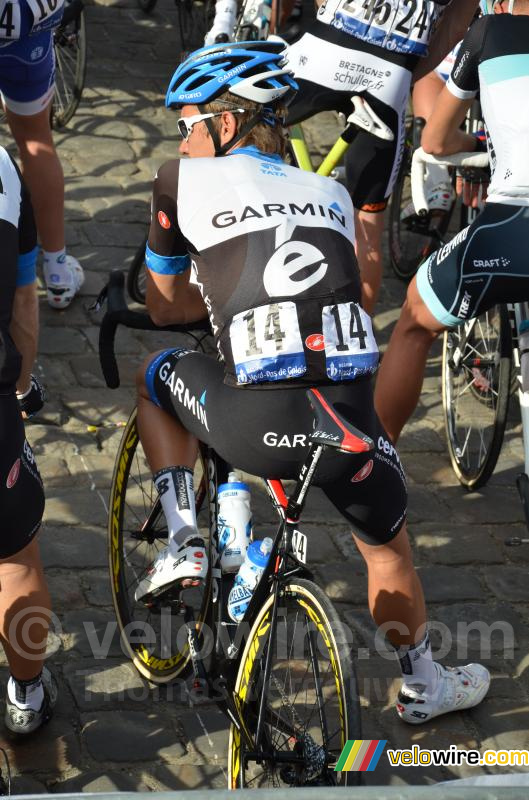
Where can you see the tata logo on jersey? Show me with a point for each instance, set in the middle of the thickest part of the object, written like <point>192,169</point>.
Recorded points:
<point>226,218</point>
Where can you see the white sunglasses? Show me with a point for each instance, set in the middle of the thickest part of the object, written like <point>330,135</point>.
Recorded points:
<point>185,124</point>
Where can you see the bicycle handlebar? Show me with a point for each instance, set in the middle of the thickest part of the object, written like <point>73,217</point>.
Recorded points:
<point>118,313</point>
<point>418,165</point>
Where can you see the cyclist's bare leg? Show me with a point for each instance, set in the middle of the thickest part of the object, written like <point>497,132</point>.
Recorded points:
<point>369,228</point>
<point>396,598</point>
<point>165,441</point>
<point>399,380</point>
<point>25,611</point>
<point>43,174</point>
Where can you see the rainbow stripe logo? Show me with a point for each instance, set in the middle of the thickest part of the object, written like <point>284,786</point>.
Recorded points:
<point>360,755</point>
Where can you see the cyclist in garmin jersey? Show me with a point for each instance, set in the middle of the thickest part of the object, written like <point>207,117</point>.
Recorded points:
<point>267,252</point>
<point>375,50</point>
<point>487,263</point>
<point>27,84</point>
<point>24,597</point>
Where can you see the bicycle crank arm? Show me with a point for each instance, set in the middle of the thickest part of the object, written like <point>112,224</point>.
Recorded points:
<point>522,484</point>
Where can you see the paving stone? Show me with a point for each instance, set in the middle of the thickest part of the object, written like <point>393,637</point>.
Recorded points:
<point>472,630</point>
<point>130,736</point>
<point>53,341</point>
<point>111,781</point>
<point>508,582</point>
<point>92,632</point>
<point>67,506</point>
<point>455,544</point>
<point>343,582</point>
<point>73,547</point>
<point>51,754</point>
<point>448,585</point>
<point>87,370</point>
<point>504,724</point>
<point>206,731</point>
<point>64,590</point>
<point>189,776</point>
<point>109,684</point>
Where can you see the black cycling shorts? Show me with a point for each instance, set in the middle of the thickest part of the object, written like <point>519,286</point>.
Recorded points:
<point>265,433</point>
<point>371,164</point>
<point>21,492</point>
<point>483,265</point>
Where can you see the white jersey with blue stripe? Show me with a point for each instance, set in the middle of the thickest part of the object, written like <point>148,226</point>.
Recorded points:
<point>494,61</point>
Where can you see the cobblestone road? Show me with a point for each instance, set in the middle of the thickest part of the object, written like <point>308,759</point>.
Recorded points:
<point>111,731</point>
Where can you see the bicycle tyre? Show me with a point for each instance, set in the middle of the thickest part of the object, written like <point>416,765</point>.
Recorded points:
<point>69,45</point>
<point>194,20</point>
<point>146,5</point>
<point>476,395</point>
<point>409,247</point>
<point>136,276</point>
<point>134,539</point>
<point>310,602</point>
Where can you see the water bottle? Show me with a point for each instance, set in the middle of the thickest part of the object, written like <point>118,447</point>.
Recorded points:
<point>248,577</point>
<point>523,346</point>
<point>234,523</point>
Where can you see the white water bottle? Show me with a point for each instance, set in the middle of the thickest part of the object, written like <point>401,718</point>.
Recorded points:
<point>248,577</point>
<point>234,523</point>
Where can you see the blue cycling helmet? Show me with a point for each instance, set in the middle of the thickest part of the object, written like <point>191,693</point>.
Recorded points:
<point>254,70</point>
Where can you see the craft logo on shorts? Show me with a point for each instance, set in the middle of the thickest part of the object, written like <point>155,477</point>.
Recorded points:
<point>363,473</point>
<point>14,472</point>
<point>163,219</point>
<point>36,53</point>
<point>315,341</point>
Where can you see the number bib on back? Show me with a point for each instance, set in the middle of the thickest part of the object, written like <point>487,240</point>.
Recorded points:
<point>350,346</point>
<point>403,26</point>
<point>43,16</point>
<point>266,344</point>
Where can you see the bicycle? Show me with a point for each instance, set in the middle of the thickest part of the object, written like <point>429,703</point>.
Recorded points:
<point>69,45</point>
<point>480,370</point>
<point>413,239</point>
<point>362,117</point>
<point>194,20</point>
<point>284,675</point>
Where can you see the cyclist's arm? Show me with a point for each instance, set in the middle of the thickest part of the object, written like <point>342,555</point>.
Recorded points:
<point>451,29</point>
<point>170,297</point>
<point>441,135</point>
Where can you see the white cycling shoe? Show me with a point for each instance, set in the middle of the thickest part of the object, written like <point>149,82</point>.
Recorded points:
<point>63,282</point>
<point>187,568</point>
<point>440,198</point>
<point>458,688</point>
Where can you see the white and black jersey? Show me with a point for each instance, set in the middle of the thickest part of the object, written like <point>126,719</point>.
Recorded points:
<point>272,251</point>
<point>494,61</point>
<point>398,26</point>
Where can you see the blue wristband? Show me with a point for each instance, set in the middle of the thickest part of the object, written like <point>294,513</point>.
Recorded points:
<point>166,265</point>
<point>27,267</point>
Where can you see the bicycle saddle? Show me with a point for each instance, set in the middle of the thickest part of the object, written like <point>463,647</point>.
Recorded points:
<point>332,430</point>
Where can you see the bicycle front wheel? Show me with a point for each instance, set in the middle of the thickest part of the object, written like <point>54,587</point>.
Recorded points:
<point>69,47</point>
<point>154,637</point>
<point>311,703</point>
<point>195,17</point>
<point>476,379</point>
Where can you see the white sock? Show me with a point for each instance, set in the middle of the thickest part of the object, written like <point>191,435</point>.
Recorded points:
<point>56,269</point>
<point>26,694</point>
<point>436,174</point>
<point>225,15</point>
<point>417,665</point>
<point>177,496</point>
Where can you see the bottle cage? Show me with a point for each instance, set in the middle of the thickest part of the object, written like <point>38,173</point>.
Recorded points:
<point>365,118</point>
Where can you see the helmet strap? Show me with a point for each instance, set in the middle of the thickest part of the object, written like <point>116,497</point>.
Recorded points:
<point>221,150</point>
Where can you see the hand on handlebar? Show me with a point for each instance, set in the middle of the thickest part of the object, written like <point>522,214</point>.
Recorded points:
<point>473,189</point>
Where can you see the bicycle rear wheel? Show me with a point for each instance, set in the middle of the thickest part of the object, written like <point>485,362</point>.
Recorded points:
<point>476,380</point>
<point>195,18</point>
<point>312,706</point>
<point>69,46</point>
<point>412,240</point>
<point>136,276</point>
<point>155,638</point>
